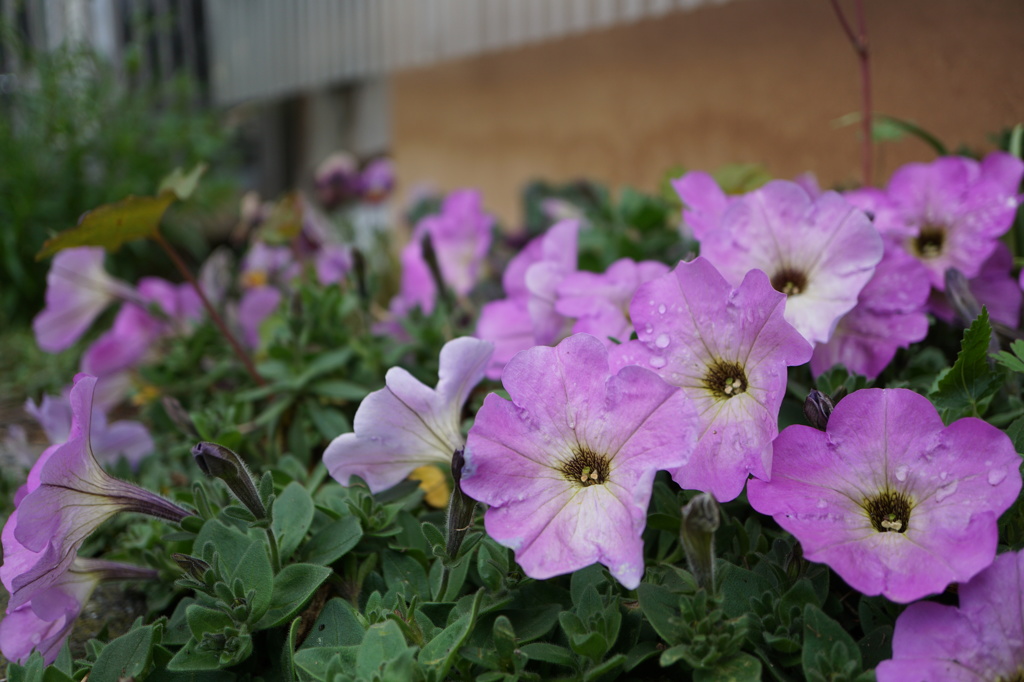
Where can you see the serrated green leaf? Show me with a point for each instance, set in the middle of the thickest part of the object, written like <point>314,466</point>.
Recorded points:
<point>111,225</point>
<point>292,513</point>
<point>966,389</point>
<point>126,656</point>
<point>180,183</point>
<point>1014,362</point>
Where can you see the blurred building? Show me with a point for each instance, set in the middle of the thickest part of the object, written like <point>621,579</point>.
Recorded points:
<point>491,93</point>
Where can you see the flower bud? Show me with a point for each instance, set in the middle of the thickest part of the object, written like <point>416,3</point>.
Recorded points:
<point>460,508</point>
<point>697,532</point>
<point>220,462</point>
<point>817,408</point>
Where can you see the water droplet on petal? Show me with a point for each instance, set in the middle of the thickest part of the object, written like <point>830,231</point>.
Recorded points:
<point>657,362</point>
<point>661,309</point>
<point>996,476</point>
<point>648,329</point>
<point>901,473</point>
<point>945,491</point>
<point>661,341</point>
<point>822,503</point>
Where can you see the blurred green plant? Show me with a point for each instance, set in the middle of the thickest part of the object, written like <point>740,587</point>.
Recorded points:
<point>71,138</point>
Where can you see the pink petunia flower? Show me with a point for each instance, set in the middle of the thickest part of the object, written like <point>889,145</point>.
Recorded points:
<point>727,349</point>
<point>67,496</point>
<point>406,425</point>
<point>704,203</point>
<point>528,317</point>
<point>567,466</point>
<point>460,235</point>
<point>78,289</point>
<point>950,212</point>
<point>44,624</point>
<point>983,639</point>
<point>122,438</point>
<point>889,315</point>
<point>600,301</point>
<point>893,501</point>
<point>820,252</point>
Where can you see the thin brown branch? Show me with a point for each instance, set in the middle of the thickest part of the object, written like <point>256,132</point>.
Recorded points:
<point>218,321</point>
<point>859,42</point>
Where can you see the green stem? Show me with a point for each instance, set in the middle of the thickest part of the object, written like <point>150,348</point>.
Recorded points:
<point>214,315</point>
<point>445,572</point>
<point>275,556</point>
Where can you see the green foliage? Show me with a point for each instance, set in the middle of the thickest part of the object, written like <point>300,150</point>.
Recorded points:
<point>73,138</point>
<point>967,388</point>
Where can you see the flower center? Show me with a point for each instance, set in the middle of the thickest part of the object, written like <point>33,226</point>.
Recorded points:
<point>789,281</point>
<point>889,511</point>
<point>725,379</point>
<point>586,468</point>
<point>929,241</point>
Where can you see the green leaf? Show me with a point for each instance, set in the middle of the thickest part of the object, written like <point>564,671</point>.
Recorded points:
<point>606,668</point>
<point>293,587</point>
<point>317,661</point>
<point>589,577</point>
<point>404,574</point>
<point>180,183</point>
<point>126,656</point>
<point>1016,433</point>
<point>339,624</point>
<point>1014,362</point>
<point>549,653</point>
<point>738,587</point>
<point>592,645</point>
<point>256,574</point>
<point>333,541</point>
<point>292,514</point>
<point>884,127</point>
<point>740,668</point>
<point>190,658</point>
<point>203,619</point>
<point>440,652</point>
<point>383,641</point>
<point>821,634</point>
<point>966,389</point>
<point>328,420</point>
<point>111,225</point>
<point>339,389</point>
<point>660,606</point>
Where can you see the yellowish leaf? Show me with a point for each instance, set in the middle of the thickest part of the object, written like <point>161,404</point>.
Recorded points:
<point>111,225</point>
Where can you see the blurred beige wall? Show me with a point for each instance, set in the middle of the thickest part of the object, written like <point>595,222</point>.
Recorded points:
<point>751,81</point>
